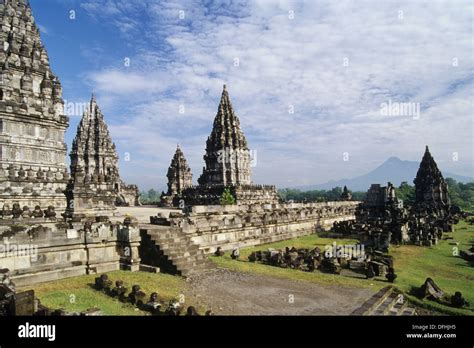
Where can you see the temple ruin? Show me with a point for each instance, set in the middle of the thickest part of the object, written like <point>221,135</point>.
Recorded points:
<point>40,240</point>
<point>94,167</point>
<point>432,213</point>
<point>33,172</point>
<point>179,177</point>
<point>382,219</point>
<point>227,164</point>
<point>67,224</point>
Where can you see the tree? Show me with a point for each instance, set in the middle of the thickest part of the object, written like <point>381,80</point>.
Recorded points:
<point>406,193</point>
<point>227,198</point>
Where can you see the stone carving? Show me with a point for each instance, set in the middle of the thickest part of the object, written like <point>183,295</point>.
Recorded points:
<point>432,213</point>
<point>137,296</point>
<point>119,291</point>
<point>228,161</point>
<point>95,185</point>
<point>103,283</point>
<point>346,195</point>
<point>380,219</point>
<point>174,308</point>
<point>25,110</point>
<point>227,154</point>
<point>153,305</point>
<point>179,176</point>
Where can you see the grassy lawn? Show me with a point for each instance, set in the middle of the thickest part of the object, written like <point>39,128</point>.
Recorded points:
<point>310,241</point>
<point>412,264</point>
<point>452,273</point>
<point>76,294</point>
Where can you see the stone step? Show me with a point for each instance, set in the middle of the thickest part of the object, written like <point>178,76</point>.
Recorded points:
<point>385,307</point>
<point>400,305</point>
<point>187,255</point>
<point>387,301</point>
<point>185,264</point>
<point>181,251</point>
<point>408,311</point>
<point>373,302</point>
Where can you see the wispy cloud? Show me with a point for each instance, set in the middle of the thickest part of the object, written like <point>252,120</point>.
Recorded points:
<point>307,80</point>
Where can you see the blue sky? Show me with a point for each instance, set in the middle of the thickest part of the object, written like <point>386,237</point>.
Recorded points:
<point>306,78</point>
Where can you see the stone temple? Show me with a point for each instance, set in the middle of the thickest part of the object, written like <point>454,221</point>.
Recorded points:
<point>432,213</point>
<point>179,177</point>
<point>227,154</point>
<point>34,175</point>
<point>67,225</point>
<point>382,219</point>
<point>95,182</point>
<point>227,164</point>
<point>33,170</point>
<point>431,188</point>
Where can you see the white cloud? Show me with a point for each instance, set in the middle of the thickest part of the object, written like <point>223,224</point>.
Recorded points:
<point>283,62</point>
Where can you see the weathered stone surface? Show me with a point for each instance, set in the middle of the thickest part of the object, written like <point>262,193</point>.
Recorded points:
<point>127,195</point>
<point>241,226</point>
<point>228,160</point>
<point>431,215</point>
<point>179,176</point>
<point>95,186</point>
<point>380,219</point>
<point>32,121</point>
<point>39,251</point>
<point>346,195</point>
<point>227,154</point>
<point>431,190</point>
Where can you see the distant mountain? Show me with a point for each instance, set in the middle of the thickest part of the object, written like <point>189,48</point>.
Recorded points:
<point>393,170</point>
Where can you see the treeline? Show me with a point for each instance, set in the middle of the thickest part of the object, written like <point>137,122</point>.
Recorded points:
<point>461,194</point>
<point>316,195</point>
<point>150,197</point>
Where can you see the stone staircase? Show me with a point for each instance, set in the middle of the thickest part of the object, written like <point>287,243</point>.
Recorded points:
<point>179,249</point>
<point>388,301</point>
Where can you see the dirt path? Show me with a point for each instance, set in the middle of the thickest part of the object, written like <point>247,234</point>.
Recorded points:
<point>234,293</point>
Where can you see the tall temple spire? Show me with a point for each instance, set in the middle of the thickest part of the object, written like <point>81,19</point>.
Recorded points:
<point>93,149</point>
<point>179,177</point>
<point>30,104</point>
<point>430,187</point>
<point>227,154</point>
<point>94,166</point>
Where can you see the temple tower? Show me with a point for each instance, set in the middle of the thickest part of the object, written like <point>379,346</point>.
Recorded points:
<point>431,212</point>
<point>33,168</point>
<point>227,168</point>
<point>346,195</point>
<point>179,176</point>
<point>95,177</point>
<point>227,155</point>
<point>431,190</point>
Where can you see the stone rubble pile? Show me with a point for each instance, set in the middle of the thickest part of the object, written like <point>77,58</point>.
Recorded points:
<point>136,297</point>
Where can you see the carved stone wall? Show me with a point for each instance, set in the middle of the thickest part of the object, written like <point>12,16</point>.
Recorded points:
<point>179,177</point>
<point>40,250</point>
<point>32,121</point>
<point>227,154</point>
<point>243,194</point>
<point>247,225</point>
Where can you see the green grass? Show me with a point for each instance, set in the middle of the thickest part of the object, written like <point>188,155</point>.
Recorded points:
<point>310,241</point>
<point>60,293</point>
<point>412,264</point>
<point>451,273</point>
